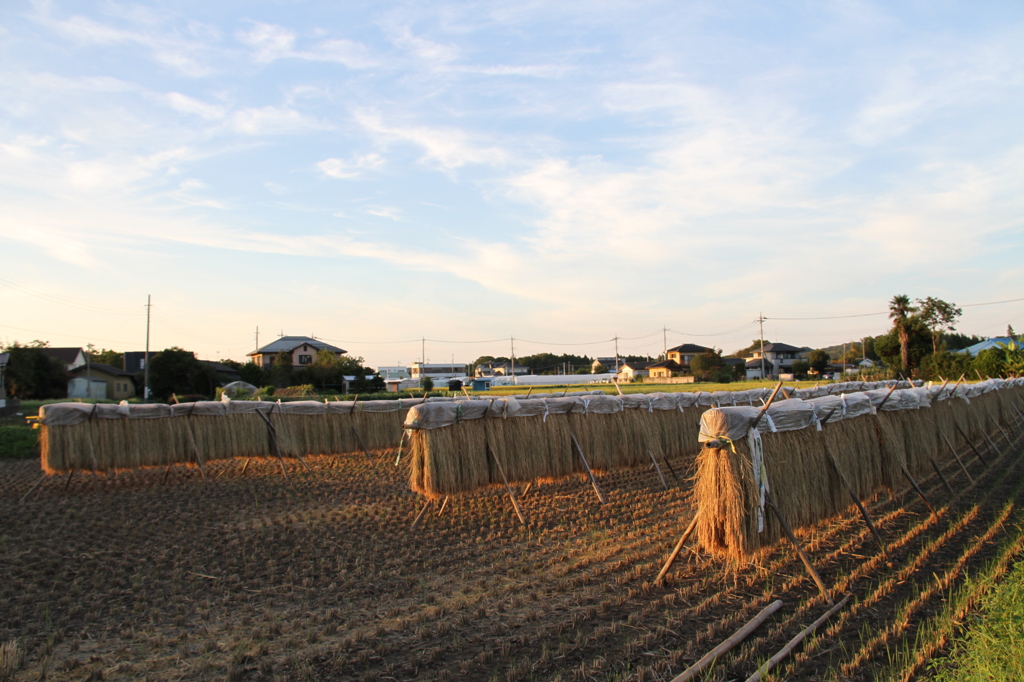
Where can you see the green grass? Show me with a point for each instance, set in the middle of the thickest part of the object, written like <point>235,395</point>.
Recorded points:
<point>993,648</point>
<point>18,442</point>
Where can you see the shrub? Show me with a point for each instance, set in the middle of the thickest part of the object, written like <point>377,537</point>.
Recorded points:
<point>18,442</point>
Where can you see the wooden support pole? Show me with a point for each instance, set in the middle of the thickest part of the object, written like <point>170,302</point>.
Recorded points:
<point>733,640</point>
<point>1005,435</point>
<point>617,388</point>
<point>593,481</point>
<point>860,505</point>
<point>511,494</point>
<point>917,489</point>
<point>673,471</point>
<point>976,451</point>
<point>795,642</point>
<point>935,466</point>
<point>992,445</point>
<point>799,550</point>
<point>167,472</point>
<point>419,516</point>
<point>958,460</point>
<point>246,465</point>
<point>38,483</point>
<point>660,580</point>
<point>658,469</point>
<point>398,457</point>
<point>67,483</point>
<point>443,505</point>
<point>527,489</point>
<point>273,439</point>
<point>363,445</point>
<point>765,407</point>
<point>1018,422</point>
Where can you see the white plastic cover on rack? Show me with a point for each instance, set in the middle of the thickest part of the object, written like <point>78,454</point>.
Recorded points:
<point>205,408</point>
<point>149,411</point>
<point>64,414</point>
<point>310,408</point>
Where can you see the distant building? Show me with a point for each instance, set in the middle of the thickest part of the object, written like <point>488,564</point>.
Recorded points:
<point>97,380</point>
<point>419,370</point>
<point>997,342</point>
<point>778,359</point>
<point>500,369</point>
<point>612,364</point>
<point>633,370</point>
<point>303,350</point>
<point>684,353</point>
<point>393,372</point>
<point>664,369</point>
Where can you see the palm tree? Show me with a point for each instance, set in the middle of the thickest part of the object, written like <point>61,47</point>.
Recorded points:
<point>900,311</point>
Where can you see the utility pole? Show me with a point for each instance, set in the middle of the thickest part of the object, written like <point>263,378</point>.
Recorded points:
<point>145,365</point>
<point>512,342</point>
<point>664,342</point>
<point>616,370</point>
<point>257,337</point>
<point>760,324</point>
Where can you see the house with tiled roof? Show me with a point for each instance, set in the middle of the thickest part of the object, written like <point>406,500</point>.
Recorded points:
<point>303,350</point>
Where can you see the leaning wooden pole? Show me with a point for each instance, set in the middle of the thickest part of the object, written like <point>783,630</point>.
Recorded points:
<point>918,490</point>
<point>586,465</point>
<point>799,550</point>
<point>853,495</point>
<point>419,517</point>
<point>730,643</point>
<point>660,580</point>
<point>957,458</point>
<point>658,469</point>
<point>977,452</point>
<point>511,493</point>
<point>35,485</point>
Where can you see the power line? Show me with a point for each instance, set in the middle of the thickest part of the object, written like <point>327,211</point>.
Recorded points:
<point>66,302</point>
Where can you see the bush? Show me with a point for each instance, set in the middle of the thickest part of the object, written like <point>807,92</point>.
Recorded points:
<point>18,442</point>
<point>301,391</point>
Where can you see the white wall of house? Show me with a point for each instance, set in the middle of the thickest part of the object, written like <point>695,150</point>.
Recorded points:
<point>81,387</point>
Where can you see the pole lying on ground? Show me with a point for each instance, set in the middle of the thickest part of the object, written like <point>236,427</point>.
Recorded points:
<point>35,485</point>
<point>795,642</point>
<point>737,637</point>
<point>958,460</point>
<point>419,516</point>
<point>660,580</point>
<point>593,481</point>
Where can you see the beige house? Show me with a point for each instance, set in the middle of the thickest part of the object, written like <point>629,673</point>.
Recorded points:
<point>684,353</point>
<point>96,380</point>
<point>303,350</point>
<point>664,369</point>
<point>631,371</point>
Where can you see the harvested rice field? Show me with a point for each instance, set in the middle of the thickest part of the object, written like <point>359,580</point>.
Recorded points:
<point>320,577</point>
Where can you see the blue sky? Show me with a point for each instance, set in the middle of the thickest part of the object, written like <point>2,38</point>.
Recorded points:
<point>561,173</point>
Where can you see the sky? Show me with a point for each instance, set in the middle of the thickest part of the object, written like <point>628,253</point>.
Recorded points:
<point>411,180</point>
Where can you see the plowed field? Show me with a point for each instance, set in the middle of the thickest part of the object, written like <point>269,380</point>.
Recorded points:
<point>254,577</point>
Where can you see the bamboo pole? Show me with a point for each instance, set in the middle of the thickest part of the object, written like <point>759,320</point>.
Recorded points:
<point>443,505</point>
<point>992,445</point>
<point>593,481</point>
<point>917,489</point>
<point>35,485</point>
<point>273,439</point>
<point>511,494</point>
<point>958,460</point>
<point>660,580</point>
<point>943,477</point>
<point>734,639</point>
<point>658,469</point>
<point>976,451</point>
<point>671,470</point>
<point>799,549</point>
<point>860,505</point>
<point>419,516</point>
<point>245,466</point>
<point>765,407</point>
<point>793,643</point>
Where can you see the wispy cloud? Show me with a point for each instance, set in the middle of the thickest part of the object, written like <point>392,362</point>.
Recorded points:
<point>448,147</point>
<point>343,170</point>
<point>270,43</point>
